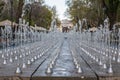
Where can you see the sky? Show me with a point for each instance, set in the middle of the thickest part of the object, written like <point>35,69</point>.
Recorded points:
<point>60,6</point>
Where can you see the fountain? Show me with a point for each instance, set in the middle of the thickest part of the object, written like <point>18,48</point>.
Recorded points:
<point>110,70</point>
<point>18,70</point>
<point>118,60</point>
<point>80,26</point>
<point>48,70</point>
<point>53,25</point>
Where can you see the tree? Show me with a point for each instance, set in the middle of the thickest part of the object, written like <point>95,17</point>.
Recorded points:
<point>55,15</point>
<point>9,10</point>
<point>35,13</point>
<point>4,10</point>
<point>79,9</point>
<point>118,14</point>
<point>19,10</point>
<point>58,22</point>
<point>111,8</point>
<point>39,14</point>
<point>54,12</point>
<point>95,10</point>
<point>1,6</point>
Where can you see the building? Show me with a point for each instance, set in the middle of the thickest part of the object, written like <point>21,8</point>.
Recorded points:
<point>66,25</point>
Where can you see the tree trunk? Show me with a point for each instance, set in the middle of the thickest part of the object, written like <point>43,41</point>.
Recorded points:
<point>19,10</point>
<point>112,19</point>
<point>111,11</point>
<point>1,6</point>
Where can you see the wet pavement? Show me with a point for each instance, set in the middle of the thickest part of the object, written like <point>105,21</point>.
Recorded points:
<point>64,64</point>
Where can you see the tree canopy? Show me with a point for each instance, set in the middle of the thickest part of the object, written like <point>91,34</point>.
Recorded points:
<point>95,11</point>
<point>35,13</point>
<point>111,10</point>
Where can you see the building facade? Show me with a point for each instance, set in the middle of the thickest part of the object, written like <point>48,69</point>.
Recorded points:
<point>66,25</point>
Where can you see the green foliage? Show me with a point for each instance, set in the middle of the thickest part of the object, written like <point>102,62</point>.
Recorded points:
<point>79,9</point>
<point>58,22</point>
<point>54,12</point>
<point>94,10</point>
<point>118,14</point>
<point>39,14</point>
<point>112,8</point>
<point>35,13</point>
<point>8,11</point>
<point>1,6</point>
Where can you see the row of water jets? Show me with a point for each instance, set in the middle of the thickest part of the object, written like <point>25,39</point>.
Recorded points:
<point>102,46</point>
<point>26,47</point>
<point>22,34</point>
<point>30,45</point>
